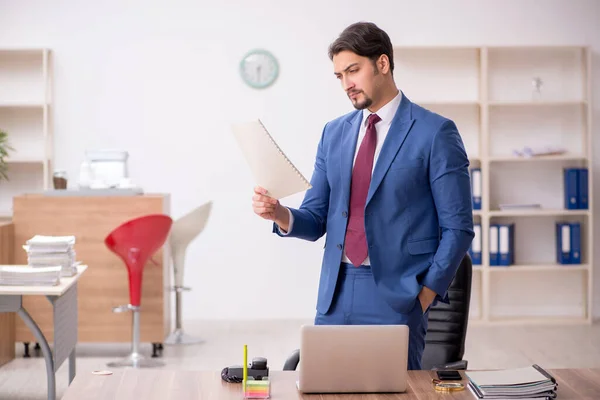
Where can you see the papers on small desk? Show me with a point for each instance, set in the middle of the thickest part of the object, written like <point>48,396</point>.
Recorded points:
<point>29,276</point>
<point>52,251</point>
<point>519,383</point>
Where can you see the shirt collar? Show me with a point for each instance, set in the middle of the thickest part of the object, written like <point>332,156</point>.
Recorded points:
<point>387,112</point>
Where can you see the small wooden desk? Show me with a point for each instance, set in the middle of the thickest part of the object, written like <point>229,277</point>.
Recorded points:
<point>161,384</point>
<point>105,284</point>
<point>63,298</point>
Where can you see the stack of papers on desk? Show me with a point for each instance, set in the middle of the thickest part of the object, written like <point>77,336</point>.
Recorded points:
<point>520,383</point>
<point>29,276</point>
<point>52,251</point>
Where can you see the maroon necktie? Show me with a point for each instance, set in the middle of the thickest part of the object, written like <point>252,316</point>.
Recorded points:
<point>356,240</point>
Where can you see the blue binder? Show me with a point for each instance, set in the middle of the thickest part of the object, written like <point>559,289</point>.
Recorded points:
<point>476,188</point>
<point>582,197</point>
<point>571,184</point>
<point>494,255</point>
<point>475,248</point>
<point>506,235</point>
<point>563,243</point>
<point>575,253</point>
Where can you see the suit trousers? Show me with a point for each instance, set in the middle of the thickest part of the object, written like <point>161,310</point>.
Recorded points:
<point>357,302</point>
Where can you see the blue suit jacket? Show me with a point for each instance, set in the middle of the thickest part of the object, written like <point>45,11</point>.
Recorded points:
<point>418,215</point>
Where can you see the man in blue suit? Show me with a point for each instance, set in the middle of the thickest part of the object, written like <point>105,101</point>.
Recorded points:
<point>391,189</point>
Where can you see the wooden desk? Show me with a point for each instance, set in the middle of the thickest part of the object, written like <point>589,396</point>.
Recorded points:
<point>7,320</point>
<point>63,302</point>
<point>105,285</point>
<point>168,384</point>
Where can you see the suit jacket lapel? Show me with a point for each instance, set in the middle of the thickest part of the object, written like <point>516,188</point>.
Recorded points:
<point>399,128</point>
<point>347,150</point>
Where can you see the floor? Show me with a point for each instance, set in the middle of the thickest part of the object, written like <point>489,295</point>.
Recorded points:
<point>486,347</point>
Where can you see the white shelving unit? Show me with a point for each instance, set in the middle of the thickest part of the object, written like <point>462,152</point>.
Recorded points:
<point>489,93</point>
<point>25,114</point>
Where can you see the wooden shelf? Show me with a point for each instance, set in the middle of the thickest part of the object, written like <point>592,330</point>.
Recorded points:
<point>557,157</point>
<point>25,114</point>
<point>23,105</point>
<point>526,320</point>
<point>540,268</point>
<point>538,213</point>
<point>548,103</point>
<point>15,160</point>
<point>435,103</point>
<point>488,92</point>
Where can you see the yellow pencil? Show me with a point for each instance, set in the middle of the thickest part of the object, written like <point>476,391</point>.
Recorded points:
<point>245,366</point>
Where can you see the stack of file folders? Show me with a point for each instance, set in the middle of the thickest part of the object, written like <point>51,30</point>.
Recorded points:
<point>28,276</point>
<point>51,251</point>
<point>520,383</point>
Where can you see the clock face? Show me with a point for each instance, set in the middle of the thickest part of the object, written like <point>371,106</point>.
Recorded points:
<point>259,69</point>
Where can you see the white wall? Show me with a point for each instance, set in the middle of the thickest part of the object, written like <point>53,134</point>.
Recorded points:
<point>160,80</point>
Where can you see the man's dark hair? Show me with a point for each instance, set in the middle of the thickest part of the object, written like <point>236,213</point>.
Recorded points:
<point>365,39</point>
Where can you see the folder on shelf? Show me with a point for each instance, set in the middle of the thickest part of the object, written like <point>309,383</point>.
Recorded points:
<point>571,183</point>
<point>563,243</point>
<point>476,188</point>
<point>270,166</point>
<point>494,245</point>
<point>506,235</point>
<point>475,249</point>
<point>568,243</point>
<point>575,253</point>
<point>582,198</point>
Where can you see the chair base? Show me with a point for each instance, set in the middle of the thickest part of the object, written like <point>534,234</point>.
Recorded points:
<point>136,360</point>
<point>178,337</point>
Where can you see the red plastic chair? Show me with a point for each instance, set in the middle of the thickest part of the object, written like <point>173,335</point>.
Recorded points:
<point>135,241</point>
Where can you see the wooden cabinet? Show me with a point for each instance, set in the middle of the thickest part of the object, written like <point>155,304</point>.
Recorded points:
<point>7,320</point>
<point>105,284</point>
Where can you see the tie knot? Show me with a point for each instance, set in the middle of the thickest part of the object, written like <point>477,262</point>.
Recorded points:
<point>373,119</point>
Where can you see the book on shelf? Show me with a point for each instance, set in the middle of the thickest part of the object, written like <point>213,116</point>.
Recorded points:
<point>568,243</point>
<point>575,188</point>
<point>502,244</point>
<point>476,188</point>
<point>528,151</point>
<point>532,382</point>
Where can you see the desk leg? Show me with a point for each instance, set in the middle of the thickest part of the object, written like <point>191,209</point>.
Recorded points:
<point>72,366</point>
<point>45,350</point>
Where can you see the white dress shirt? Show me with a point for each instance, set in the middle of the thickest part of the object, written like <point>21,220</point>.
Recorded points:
<point>386,113</point>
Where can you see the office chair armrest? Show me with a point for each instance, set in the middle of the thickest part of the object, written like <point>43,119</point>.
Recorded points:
<point>292,361</point>
<point>462,364</point>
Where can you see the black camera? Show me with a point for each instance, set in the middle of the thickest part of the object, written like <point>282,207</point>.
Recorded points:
<point>258,370</point>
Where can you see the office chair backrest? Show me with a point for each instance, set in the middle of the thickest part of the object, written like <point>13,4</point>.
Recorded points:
<point>447,328</point>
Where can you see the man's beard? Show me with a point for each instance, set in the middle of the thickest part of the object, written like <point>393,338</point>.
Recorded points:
<point>361,105</point>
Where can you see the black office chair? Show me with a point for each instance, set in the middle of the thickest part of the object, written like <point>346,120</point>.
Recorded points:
<point>447,328</point>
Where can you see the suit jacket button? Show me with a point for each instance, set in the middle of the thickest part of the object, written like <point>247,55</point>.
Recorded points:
<point>344,214</point>
<point>339,246</point>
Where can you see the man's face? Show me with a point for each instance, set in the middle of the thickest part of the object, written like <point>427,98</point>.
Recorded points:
<point>359,77</point>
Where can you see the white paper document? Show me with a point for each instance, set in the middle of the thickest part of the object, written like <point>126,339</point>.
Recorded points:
<point>270,166</point>
<point>516,376</point>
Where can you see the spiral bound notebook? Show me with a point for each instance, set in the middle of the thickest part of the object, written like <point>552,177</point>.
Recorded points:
<point>271,168</point>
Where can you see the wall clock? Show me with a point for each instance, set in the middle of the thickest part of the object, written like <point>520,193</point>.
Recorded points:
<point>259,69</point>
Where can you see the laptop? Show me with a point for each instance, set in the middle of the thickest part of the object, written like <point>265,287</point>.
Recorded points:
<point>353,359</point>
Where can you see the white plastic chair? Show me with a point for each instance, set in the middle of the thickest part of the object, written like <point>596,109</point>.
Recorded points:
<point>184,230</point>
